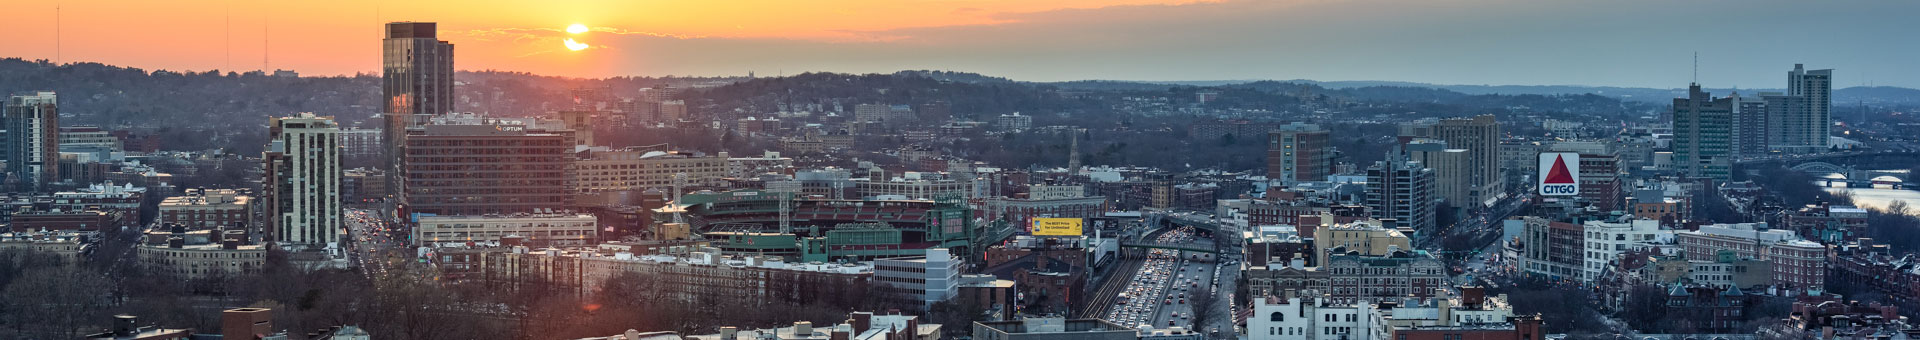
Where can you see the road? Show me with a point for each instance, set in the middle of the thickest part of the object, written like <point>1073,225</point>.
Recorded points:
<point>1158,293</point>
<point>1221,274</point>
<point>1488,259</point>
<point>1190,277</point>
<point>1225,278</point>
<point>1106,295</point>
<point>1479,221</point>
<point>373,243</point>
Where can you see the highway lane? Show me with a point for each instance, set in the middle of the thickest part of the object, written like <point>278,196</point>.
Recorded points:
<point>1155,295</point>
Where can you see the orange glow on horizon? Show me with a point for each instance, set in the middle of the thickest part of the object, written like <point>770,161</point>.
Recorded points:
<point>341,38</point>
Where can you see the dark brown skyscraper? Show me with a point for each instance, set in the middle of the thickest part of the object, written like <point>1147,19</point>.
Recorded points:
<point>416,82</point>
<point>487,169</point>
<point>416,70</point>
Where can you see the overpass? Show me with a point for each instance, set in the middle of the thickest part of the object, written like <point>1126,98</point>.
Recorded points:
<point>1204,248</point>
<point>1190,221</point>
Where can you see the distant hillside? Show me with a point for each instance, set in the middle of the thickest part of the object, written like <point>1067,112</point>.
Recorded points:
<point>1882,95</point>
<point>959,77</point>
<point>1108,85</point>
<point>968,94</point>
<point>1876,95</point>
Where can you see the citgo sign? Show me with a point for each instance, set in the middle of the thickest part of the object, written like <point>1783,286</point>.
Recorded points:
<point>1559,174</point>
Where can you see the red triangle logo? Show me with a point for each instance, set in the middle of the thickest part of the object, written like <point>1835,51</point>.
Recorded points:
<point>1559,175</point>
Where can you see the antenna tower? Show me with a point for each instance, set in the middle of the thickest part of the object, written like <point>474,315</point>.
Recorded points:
<point>229,46</point>
<point>56,34</point>
<point>266,53</point>
<point>785,189</point>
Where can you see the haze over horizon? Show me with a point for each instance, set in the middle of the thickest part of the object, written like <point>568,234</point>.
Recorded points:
<point>1745,44</point>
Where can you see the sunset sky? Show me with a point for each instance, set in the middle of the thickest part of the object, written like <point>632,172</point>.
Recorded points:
<point>1617,43</point>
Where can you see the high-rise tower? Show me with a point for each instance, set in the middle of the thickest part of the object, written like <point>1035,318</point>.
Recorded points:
<point>1299,152</point>
<point>416,70</point>
<point>1750,124</point>
<point>1703,135</point>
<point>1402,190</point>
<point>416,82</point>
<point>303,182</point>
<point>32,143</point>
<point>1802,120</point>
<point>1480,136</point>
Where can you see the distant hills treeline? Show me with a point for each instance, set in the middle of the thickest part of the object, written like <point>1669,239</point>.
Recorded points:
<point>1878,95</point>
<point>124,97</point>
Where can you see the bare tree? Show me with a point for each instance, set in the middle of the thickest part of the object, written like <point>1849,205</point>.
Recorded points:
<point>57,302</point>
<point>1204,303</point>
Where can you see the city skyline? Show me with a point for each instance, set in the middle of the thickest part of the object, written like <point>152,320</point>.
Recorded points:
<point>551,196</point>
<point>1145,40</point>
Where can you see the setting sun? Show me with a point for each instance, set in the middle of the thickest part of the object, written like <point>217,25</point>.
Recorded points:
<point>575,45</point>
<point>577,29</point>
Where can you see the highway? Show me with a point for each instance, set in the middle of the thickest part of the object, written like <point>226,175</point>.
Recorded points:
<point>1156,293</point>
<point>1104,297</point>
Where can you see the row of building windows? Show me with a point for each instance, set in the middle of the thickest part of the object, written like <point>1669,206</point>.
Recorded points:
<point>205,254</point>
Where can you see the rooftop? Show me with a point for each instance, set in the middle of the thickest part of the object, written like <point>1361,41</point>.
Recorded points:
<point>208,247</point>
<point>507,216</point>
<point>1053,325</point>
<point>104,190</point>
<point>1751,231</point>
<point>711,258</point>
<point>208,197</point>
<point>984,281</point>
<point>43,237</point>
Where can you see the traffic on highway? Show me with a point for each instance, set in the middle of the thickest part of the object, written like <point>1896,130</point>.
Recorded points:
<point>1159,292</point>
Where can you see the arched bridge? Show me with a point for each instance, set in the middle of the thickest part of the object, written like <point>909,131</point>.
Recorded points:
<point>1850,173</point>
<point>1876,159</point>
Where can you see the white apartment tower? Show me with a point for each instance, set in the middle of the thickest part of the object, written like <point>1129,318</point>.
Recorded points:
<point>303,182</point>
<point>1801,120</point>
<point>1402,190</point>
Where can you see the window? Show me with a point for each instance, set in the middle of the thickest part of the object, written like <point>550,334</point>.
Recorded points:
<point>1276,317</point>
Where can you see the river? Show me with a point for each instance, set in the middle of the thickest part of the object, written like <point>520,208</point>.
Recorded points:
<point>1879,196</point>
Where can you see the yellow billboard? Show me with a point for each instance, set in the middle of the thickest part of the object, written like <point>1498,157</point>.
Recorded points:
<point>1049,226</point>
